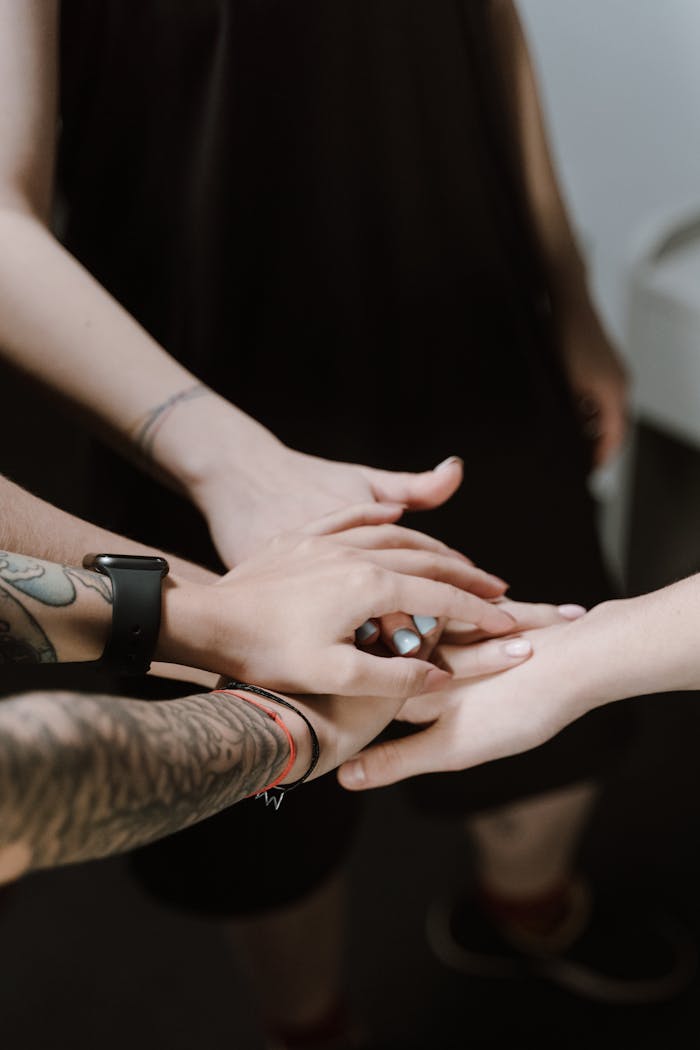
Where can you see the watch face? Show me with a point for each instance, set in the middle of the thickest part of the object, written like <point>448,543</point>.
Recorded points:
<point>132,562</point>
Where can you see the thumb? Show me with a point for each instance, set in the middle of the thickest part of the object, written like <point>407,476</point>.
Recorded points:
<point>390,761</point>
<point>391,678</point>
<point>422,491</point>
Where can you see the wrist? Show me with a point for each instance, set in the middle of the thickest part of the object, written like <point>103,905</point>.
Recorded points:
<point>299,732</point>
<point>188,629</point>
<point>607,656</point>
<point>202,446</point>
<point>82,637</point>
<point>293,724</point>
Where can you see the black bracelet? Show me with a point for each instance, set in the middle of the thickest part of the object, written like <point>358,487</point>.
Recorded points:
<point>281,791</point>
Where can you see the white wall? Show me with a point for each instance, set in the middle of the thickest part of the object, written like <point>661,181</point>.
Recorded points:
<point>621,83</point>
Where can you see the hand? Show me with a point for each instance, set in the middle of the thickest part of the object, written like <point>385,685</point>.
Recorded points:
<point>599,382</point>
<point>343,727</point>
<point>279,490</point>
<point>287,616</point>
<point>485,718</point>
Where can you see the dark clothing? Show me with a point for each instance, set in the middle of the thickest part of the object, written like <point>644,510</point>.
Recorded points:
<point>315,207</point>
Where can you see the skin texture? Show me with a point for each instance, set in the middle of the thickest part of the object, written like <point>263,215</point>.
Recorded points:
<point>86,776</point>
<point>51,613</point>
<point>241,625</point>
<point>621,649</point>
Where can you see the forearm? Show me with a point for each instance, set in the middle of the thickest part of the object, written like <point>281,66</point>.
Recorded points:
<point>82,777</point>
<point>566,271</point>
<point>642,645</point>
<point>29,525</point>
<point>60,326</point>
<point>53,612</point>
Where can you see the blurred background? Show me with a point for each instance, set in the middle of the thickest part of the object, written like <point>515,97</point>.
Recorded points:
<point>86,959</point>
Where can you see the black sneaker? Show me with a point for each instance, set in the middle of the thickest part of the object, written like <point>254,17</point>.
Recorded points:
<point>611,953</point>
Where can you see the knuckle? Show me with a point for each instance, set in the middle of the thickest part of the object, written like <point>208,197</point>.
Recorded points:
<point>408,678</point>
<point>368,578</point>
<point>308,546</point>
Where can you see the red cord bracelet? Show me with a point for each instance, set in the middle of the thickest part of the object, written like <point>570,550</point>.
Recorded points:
<point>278,720</point>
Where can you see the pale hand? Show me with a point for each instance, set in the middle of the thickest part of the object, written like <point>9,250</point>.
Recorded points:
<point>281,490</point>
<point>479,719</point>
<point>286,617</point>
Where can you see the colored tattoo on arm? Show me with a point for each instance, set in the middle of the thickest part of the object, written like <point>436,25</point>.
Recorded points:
<point>22,637</point>
<point>48,582</point>
<point>147,430</point>
<point>87,776</point>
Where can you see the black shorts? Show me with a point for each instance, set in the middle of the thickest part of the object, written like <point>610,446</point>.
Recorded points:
<point>538,531</point>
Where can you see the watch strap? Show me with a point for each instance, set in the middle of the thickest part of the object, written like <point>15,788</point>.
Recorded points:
<point>136,612</point>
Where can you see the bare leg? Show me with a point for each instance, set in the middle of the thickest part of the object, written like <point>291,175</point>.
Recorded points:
<point>295,956</point>
<point>527,849</point>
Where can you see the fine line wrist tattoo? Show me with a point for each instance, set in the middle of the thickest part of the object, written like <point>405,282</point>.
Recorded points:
<point>86,776</point>
<point>22,637</point>
<point>147,430</point>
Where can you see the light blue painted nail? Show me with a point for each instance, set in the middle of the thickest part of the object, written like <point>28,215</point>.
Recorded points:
<point>406,642</point>
<point>425,624</point>
<point>367,631</point>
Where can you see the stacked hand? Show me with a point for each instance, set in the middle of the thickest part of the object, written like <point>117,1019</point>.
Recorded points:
<point>482,715</point>
<point>286,617</point>
<point>469,721</point>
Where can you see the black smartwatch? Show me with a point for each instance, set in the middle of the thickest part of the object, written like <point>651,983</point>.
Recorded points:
<point>137,584</point>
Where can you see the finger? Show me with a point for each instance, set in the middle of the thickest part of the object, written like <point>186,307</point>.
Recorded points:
<point>352,672</point>
<point>418,491</point>
<point>360,514</point>
<point>527,616</point>
<point>439,567</point>
<point>400,635</point>
<point>395,591</point>
<point>430,631</point>
<point>390,761</point>
<point>367,633</point>
<point>382,537</point>
<point>485,658</point>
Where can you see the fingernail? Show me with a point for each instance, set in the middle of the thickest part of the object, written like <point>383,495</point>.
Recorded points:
<point>353,774</point>
<point>448,462</point>
<point>572,612</point>
<point>425,624</point>
<point>406,641</point>
<point>367,631</point>
<point>517,647</point>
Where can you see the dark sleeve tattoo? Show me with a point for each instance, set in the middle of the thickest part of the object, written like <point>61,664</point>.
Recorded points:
<point>148,428</point>
<point>87,776</point>
<point>22,638</point>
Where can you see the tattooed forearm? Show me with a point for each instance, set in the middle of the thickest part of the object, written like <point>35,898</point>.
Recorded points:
<point>33,595</point>
<point>83,777</point>
<point>47,582</point>
<point>22,639</point>
<point>148,428</point>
